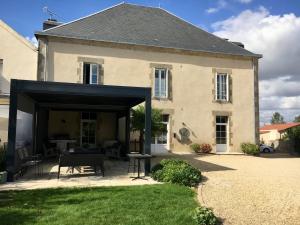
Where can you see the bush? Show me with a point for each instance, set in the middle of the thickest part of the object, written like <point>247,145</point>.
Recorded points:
<point>205,148</point>
<point>2,158</point>
<point>177,172</point>
<point>195,147</point>
<point>250,149</point>
<point>205,216</point>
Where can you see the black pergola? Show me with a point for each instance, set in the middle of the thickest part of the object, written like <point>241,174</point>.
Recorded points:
<point>34,97</point>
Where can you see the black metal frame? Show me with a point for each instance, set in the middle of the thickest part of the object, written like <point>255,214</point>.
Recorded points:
<point>120,96</point>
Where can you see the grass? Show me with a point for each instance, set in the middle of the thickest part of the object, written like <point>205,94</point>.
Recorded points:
<point>135,205</point>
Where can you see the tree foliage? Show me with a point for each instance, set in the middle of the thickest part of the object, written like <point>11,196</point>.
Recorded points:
<point>277,118</point>
<point>138,122</point>
<point>297,119</point>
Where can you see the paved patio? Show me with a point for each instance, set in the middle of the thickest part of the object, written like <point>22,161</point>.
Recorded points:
<point>115,175</point>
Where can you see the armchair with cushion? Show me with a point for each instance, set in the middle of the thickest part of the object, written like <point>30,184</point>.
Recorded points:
<point>112,148</point>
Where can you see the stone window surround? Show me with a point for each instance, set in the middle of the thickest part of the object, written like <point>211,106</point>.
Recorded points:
<point>230,123</point>
<point>170,112</point>
<point>81,60</point>
<point>154,66</point>
<point>214,73</point>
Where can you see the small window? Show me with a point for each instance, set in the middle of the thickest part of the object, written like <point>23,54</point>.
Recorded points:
<point>222,87</point>
<point>161,83</point>
<point>90,73</point>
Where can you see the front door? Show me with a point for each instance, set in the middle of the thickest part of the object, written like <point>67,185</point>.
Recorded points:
<point>221,133</point>
<point>160,143</point>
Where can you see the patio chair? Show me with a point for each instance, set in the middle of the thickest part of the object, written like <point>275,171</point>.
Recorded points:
<point>112,149</point>
<point>28,160</point>
<point>50,151</point>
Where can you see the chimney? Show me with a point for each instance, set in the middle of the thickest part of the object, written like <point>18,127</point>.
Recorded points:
<point>50,23</point>
<point>238,44</point>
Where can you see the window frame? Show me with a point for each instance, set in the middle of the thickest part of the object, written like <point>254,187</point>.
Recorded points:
<point>227,87</point>
<point>226,124</point>
<point>88,120</point>
<point>167,83</point>
<point>91,72</point>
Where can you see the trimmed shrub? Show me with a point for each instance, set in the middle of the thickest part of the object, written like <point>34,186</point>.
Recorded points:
<point>195,147</point>
<point>250,149</point>
<point>177,172</point>
<point>2,158</point>
<point>205,216</point>
<point>205,148</point>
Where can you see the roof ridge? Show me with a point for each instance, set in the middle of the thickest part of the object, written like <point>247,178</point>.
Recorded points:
<point>81,18</point>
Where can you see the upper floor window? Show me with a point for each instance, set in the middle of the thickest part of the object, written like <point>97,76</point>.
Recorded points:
<point>161,83</point>
<point>90,73</point>
<point>222,87</point>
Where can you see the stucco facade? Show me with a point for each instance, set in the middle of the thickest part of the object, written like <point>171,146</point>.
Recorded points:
<point>191,102</point>
<point>18,60</point>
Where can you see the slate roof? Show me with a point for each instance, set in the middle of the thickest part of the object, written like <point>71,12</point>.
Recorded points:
<point>146,26</point>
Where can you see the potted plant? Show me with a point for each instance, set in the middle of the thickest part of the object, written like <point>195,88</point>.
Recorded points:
<point>3,173</point>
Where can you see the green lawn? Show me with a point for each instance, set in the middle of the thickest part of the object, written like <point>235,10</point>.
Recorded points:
<point>135,205</point>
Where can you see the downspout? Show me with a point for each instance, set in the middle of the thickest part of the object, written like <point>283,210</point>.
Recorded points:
<point>256,99</point>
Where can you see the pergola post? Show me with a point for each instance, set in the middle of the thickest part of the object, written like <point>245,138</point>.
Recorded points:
<point>12,127</point>
<point>127,138</point>
<point>147,144</point>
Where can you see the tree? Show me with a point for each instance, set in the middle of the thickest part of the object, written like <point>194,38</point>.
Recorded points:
<point>294,134</point>
<point>277,118</point>
<point>138,123</point>
<point>297,119</point>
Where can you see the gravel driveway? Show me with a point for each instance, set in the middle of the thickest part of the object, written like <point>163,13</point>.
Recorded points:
<point>251,190</point>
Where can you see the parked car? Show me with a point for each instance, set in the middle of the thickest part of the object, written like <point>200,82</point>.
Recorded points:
<point>266,148</point>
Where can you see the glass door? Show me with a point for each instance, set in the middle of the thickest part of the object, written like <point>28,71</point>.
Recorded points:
<point>221,133</point>
<point>160,143</point>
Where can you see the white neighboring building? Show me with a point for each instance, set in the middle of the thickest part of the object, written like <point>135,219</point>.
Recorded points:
<point>18,60</point>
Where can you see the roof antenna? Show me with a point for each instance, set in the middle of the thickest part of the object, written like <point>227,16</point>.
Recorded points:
<point>51,14</point>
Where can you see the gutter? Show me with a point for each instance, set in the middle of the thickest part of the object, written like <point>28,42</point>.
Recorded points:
<point>41,34</point>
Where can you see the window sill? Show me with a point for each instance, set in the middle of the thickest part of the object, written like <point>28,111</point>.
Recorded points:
<point>222,101</point>
<point>160,98</point>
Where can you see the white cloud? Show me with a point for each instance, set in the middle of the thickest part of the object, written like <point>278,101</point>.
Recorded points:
<point>33,41</point>
<point>244,1</point>
<point>221,4</point>
<point>277,38</point>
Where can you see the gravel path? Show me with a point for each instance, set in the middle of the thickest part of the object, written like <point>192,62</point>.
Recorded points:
<point>251,190</point>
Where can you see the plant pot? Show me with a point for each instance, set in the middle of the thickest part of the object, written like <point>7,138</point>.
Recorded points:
<point>3,177</point>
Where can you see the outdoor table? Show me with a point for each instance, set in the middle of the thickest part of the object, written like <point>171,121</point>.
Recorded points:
<point>139,157</point>
<point>62,144</point>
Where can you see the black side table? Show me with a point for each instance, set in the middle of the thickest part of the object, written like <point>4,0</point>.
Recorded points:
<point>139,157</point>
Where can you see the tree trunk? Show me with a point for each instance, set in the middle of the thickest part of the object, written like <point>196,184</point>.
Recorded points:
<point>141,141</point>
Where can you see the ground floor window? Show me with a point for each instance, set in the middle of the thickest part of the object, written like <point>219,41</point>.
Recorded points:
<point>88,128</point>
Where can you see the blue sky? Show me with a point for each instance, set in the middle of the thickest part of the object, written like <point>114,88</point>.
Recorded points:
<point>270,27</point>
